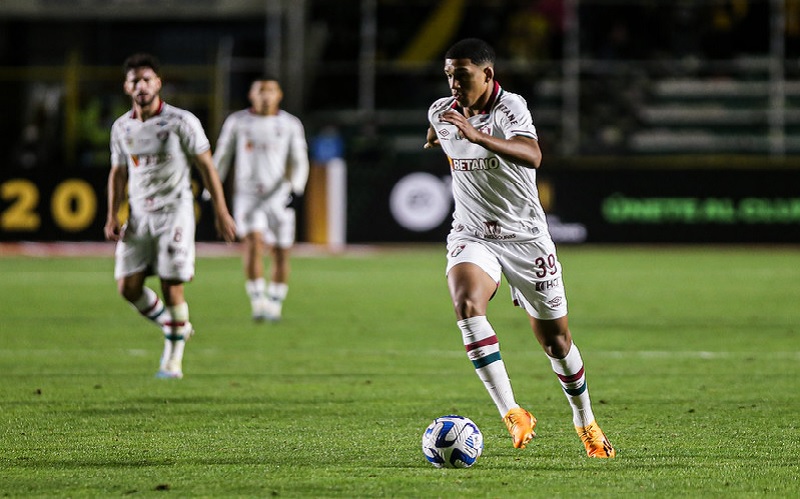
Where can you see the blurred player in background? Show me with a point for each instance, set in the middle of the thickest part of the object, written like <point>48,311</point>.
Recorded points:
<point>152,148</point>
<point>268,150</point>
<point>499,228</point>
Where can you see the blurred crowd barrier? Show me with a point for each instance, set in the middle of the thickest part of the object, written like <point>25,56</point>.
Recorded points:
<point>659,120</point>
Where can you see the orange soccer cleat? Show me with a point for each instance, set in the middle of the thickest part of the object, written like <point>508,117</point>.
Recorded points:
<point>520,424</point>
<point>595,441</point>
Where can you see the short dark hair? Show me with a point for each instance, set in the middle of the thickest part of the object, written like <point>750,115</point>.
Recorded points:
<point>267,77</point>
<point>141,60</point>
<point>475,49</point>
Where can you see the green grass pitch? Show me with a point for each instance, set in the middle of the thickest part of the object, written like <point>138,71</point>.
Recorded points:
<point>692,357</point>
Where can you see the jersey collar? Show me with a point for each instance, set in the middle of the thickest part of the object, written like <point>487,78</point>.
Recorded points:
<point>134,116</point>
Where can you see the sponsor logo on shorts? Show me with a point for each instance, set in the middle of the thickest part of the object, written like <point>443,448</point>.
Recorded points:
<point>547,285</point>
<point>556,302</point>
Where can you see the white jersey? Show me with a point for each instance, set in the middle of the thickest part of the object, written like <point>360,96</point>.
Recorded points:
<point>271,153</point>
<point>158,155</point>
<point>495,199</point>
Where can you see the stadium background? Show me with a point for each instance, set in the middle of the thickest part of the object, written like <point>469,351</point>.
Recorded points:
<point>660,121</point>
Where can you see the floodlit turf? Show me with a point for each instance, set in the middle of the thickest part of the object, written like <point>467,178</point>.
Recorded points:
<point>692,358</point>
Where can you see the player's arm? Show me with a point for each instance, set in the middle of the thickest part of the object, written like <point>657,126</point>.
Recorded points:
<point>224,152</point>
<point>519,149</point>
<point>431,140</point>
<point>297,162</point>
<point>117,179</point>
<point>226,227</point>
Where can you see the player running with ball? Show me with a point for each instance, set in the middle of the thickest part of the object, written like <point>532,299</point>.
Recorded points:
<point>499,228</point>
<point>152,148</point>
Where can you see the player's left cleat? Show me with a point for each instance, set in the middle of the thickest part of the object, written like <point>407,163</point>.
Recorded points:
<point>520,424</point>
<point>259,310</point>
<point>595,441</point>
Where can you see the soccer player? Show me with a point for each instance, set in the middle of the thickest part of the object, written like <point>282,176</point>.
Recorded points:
<point>267,147</point>
<point>152,148</point>
<point>499,227</point>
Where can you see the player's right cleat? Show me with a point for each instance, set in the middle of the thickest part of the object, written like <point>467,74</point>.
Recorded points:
<point>266,309</point>
<point>172,369</point>
<point>172,357</point>
<point>273,309</point>
<point>595,441</point>
<point>520,424</point>
<point>167,374</point>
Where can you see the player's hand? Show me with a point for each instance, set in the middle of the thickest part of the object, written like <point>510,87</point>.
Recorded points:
<point>293,201</point>
<point>112,230</point>
<point>460,121</point>
<point>431,139</point>
<point>226,227</point>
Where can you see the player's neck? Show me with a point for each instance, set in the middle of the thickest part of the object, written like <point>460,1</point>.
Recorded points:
<point>479,105</point>
<point>146,112</point>
<point>265,111</point>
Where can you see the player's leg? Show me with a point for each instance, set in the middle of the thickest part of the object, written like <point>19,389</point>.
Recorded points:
<point>146,301</point>
<point>472,276</point>
<point>131,267</point>
<point>278,287</point>
<point>176,332</point>
<point>537,286</point>
<point>280,237</point>
<point>255,285</point>
<point>176,259</point>
<point>251,222</point>
<point>565,358</point>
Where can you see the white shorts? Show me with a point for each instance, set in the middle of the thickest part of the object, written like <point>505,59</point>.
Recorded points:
<point>531,269</point>
<point>269,216</point>
<point>159,243</point>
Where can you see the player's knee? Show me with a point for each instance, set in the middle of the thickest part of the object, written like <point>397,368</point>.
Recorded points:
<point>129,292</point>
<point>466,307</point>
<point>557,347</point>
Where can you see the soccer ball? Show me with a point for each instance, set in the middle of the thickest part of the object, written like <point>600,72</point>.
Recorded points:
<point>452,442</point>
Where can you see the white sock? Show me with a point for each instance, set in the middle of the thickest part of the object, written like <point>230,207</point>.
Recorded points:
<point>256,288</point>
<point>277,291</point>
<point>151,307</point>
<point>571,375</point>
<point>483,350</point>
<point>175,333</point>
<point>166,355</point>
